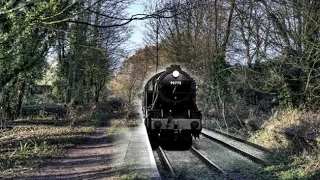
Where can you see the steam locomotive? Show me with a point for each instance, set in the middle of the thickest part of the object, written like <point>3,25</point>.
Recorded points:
<point>169,107</point>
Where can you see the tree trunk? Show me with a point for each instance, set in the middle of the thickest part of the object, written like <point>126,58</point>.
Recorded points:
<point>6,103</point>
<point>21,90</point>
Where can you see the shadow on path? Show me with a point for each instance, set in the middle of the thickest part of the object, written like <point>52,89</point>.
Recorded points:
<point>99,157</point>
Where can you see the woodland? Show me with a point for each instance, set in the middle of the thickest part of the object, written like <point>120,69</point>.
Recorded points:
<point>256,62</point>
<point>248,57</point>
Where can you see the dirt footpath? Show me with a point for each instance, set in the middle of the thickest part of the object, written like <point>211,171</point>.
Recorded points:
<point>100,157</point>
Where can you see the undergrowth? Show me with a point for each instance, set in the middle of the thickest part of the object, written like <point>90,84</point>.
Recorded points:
<point>296,156</point>
<point>34,140</point>
<point>26,147</point>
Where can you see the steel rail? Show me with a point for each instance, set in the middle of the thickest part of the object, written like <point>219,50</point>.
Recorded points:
<point>206,160</point>
<point>238,150</point>
<point>164,158</point>
<point>237,139</point>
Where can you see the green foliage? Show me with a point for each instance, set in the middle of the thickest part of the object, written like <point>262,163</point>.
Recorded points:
<point>295,174</point>
<point>23,51</point>
<point>33,32</point>
<point>96,121</point>
<point>285,99</point>
<point>133,176</point>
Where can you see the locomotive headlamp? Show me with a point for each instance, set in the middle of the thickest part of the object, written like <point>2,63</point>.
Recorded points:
<point>175,73</point>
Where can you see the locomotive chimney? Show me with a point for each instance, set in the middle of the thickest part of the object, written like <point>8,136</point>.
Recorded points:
<point>173,67</point>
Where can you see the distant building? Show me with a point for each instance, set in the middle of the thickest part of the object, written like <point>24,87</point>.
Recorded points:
<point>41,89</point>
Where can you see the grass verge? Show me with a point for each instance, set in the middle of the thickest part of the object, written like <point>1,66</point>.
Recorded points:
<point>295,156</point>
<point>292,157</point>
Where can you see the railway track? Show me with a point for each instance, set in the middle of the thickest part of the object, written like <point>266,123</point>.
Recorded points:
<point>238,158</point>
<point>220,154</point>
<point>189,164</point>
<point>252,151</point>
<point>206,160</point>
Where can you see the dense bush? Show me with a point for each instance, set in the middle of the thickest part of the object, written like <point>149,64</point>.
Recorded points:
<point>116,104</point>
<point>58,111</point>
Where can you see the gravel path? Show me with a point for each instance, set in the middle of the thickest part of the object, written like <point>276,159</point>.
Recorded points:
<point>100,157</point>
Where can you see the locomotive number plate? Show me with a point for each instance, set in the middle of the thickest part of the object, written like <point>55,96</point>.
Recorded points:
<point>175,82</point>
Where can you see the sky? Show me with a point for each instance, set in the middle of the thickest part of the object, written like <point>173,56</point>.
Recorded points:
<point>136,40</point>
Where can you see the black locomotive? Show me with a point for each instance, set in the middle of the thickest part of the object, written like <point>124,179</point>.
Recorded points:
<point>169,107</point>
